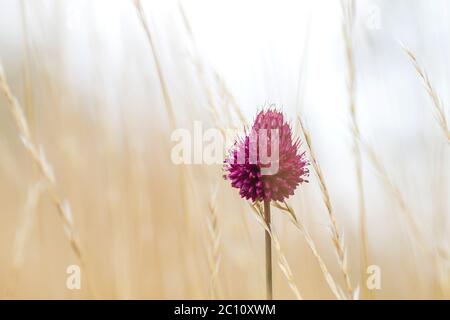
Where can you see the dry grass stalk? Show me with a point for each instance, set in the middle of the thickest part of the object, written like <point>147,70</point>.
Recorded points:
<point>348,8</point>
<point>335,289</point>
<point>23,232</point>
<point>212,106</point>
<point>282,261</point>
<point>301,82</point>
<point>26,225</point>
<point>28,97</point>
<point>164,89</point>
<point>184,175</point>
<point>231,99</point>
<point>439,108</point>
<point>434,255</point>
<point>162,80</point>
<point>38,156</point>
<point>219,82</point>
<point>214,254</point>
<point>395,191</point>
<point>337,238</point>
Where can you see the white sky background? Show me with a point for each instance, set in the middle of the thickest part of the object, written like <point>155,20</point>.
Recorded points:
<point>258,47</point>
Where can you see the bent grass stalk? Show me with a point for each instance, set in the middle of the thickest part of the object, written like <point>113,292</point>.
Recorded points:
<point>38,156</point>
<point>335,289</point>
<point>433,254</point>
<point>164,88</point>
<point>396,193</point>
<point>439,108</point>
<point>337,238</point>
<point>442,122</point>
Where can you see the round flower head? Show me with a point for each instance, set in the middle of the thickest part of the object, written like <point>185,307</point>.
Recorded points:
<point>266,164</point>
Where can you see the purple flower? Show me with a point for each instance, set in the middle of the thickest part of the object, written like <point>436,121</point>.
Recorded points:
<point>268,145</point>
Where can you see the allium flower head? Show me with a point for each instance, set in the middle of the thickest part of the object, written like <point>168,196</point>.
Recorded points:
<point>247,165</point>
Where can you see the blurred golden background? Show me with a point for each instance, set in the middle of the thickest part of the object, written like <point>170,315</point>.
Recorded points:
<point>91,92</point>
